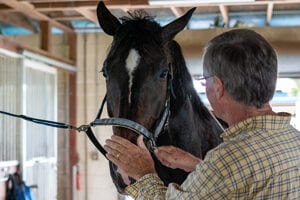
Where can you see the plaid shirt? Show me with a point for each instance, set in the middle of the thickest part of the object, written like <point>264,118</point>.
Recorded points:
<point>259,159</point>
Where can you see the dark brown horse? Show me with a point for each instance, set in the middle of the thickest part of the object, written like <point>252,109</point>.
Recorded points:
<point>145,71</point>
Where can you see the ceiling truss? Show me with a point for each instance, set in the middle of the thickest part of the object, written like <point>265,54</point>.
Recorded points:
<point>60,13</point>
<point>40,10</point>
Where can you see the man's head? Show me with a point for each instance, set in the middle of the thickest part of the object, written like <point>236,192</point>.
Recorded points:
<point>245,63</point>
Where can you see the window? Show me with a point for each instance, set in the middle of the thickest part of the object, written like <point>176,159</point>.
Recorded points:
<point>286,97</point>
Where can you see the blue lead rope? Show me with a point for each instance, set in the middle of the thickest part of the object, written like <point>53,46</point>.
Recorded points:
<point>85,128</point>
<point>40,121</point>
<point>88,130</point>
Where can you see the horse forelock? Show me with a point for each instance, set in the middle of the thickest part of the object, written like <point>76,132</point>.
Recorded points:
<point>137,28</point>
<point>137,15</point>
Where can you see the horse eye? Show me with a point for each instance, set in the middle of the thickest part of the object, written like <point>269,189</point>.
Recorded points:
<point>164,74</point>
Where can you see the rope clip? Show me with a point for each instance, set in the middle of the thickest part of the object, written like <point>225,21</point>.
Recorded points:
<point>82,128</point>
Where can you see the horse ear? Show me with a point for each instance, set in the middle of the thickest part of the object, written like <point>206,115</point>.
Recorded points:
<point>108,22</point>
<point>171,29</point>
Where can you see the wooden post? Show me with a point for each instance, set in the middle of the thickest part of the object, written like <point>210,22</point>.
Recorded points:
<point>72,38</point>
<point>45,35</point>
<point>73,156</point>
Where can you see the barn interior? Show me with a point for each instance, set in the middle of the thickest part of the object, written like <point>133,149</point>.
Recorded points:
<point>51,52</point>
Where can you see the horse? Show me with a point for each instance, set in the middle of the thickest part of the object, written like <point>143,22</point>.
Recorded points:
<point>145,71</point>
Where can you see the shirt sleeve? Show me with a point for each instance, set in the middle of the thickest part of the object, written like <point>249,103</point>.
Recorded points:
<point>148,187</point>
<point>204,183</point>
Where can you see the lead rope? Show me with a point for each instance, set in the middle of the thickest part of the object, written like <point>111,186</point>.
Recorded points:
<point>88,130</point>
<point>40,121</point>
<point>85,128</point>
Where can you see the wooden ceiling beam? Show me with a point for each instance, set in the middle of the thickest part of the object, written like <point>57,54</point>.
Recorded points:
<point>29,10</point>
<point>269,12</point>
<point>137,4</point>
<point>224,13</point>
<point>10,44</point>
<point>178,12</point>
<point>69,18</point>
<point>63,5</point>
<point>17,20</point>
<point>88,14</point>
<point>46,36</point>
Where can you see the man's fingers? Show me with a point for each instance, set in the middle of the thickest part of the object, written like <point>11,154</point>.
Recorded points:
<point>140,142</point>
<point>120,140</point>
<point>115,145</point>
<point>169,149</point>
<point>163,156</point>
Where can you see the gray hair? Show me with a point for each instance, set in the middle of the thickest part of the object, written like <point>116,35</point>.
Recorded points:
<point>246,63</point>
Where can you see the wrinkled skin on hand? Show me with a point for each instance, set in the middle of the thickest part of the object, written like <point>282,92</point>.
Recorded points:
<point>176,158</point>
<point>132,160</point>
<point>135,160</point>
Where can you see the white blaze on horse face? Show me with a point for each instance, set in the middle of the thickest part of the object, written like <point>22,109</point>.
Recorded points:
<point>132,62</point>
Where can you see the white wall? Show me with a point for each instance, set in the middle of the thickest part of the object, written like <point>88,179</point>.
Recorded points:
<point>286,42</point>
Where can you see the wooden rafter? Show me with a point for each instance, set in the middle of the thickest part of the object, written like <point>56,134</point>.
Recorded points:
<point>177,11</point>
<point>88,14</point>
<point>269,12</point>
<point>29,10</point>
<point>9,44</point>
<point>85,9</point>
<point>17,20</point>
<point>224,13</point>
<point>55,5</point>
<point>46,36</point>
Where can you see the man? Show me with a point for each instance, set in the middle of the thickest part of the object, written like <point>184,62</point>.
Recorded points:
<point>260,155</point>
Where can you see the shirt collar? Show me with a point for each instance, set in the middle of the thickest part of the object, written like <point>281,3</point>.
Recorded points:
<point>270,122</point>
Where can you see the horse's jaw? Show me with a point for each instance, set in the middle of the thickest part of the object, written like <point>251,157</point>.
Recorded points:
<point>120,178</point>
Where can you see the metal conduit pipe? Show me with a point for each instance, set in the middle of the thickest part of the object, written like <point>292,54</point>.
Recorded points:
<point>85,113</point>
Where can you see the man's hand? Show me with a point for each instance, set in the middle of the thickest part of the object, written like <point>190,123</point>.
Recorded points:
<point>174,157</point>
<point>134,160</point>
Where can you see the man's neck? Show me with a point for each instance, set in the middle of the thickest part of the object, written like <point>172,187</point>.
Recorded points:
<point>238,112</point>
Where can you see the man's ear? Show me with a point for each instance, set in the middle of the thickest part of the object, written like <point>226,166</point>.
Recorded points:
<point>219,87</point>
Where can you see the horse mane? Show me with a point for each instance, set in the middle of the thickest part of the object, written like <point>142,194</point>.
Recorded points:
<point>137,15</point>
<point>182,78</point>
<point>185,92</point>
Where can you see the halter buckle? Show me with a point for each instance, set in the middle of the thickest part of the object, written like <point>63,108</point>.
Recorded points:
<point>83,128</point>
<point>151,145</point>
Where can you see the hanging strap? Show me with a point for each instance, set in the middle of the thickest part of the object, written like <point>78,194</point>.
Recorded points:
<point>95,142</point>
<point>97,122</point>
<point>40,121</point>
<point>84,128</point>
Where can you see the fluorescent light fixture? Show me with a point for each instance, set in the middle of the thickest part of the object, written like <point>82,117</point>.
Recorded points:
<point>178,2</point>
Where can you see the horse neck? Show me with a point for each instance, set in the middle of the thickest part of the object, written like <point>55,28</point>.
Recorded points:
<point>191,126</point>
<point>182,82</point>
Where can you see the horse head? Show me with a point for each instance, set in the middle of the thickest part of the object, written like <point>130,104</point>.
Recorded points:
<point>137,68</point>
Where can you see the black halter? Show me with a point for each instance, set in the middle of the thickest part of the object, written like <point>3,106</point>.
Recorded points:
<point>126,123</point>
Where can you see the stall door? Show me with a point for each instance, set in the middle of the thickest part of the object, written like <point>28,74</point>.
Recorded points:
<point>40,142</point>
